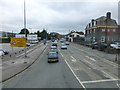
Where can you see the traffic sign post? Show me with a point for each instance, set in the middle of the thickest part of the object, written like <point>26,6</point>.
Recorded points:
<point>18,42</point>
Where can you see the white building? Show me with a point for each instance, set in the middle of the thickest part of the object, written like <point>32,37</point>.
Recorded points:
<point>72,35</point>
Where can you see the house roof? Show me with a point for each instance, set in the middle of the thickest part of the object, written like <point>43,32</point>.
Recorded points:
<point>103,21</point>
<point>81,33</point>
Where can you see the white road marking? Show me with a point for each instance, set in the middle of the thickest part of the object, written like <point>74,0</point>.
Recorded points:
<point>97,81</point>
<point>75,75</point>
<point>107,74</point>
<point>88,62</point>
<point>24,53</point>
<point>91,58</point>
<point>118,85</point>
<point>73,59</point>
<point>105,60</point>
<point>61,54</point>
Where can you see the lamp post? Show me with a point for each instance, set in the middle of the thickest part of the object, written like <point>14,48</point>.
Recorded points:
<point>25,26</point>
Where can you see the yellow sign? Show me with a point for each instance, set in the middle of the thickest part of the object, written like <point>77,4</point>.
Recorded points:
<point>18,42</point>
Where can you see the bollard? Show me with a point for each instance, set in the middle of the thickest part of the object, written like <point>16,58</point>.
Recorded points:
<point>10,55</point>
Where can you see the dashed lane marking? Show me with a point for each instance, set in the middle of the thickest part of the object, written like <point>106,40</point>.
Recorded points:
<point>91,58</point>
<point>75,75</point>
<point>97,81</point>
<point>105,60</point>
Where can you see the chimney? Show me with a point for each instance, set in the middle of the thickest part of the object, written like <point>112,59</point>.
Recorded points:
<point>92,22</point>
<point>108,15</point>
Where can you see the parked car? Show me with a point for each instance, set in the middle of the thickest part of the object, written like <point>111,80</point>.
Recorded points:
<point>115,45</point>
<point>28,44</point>
<point>1,53</point>
<point>102,46</point>
<point>53,57</point>
<point>4,50</point>
<point>63,46</point>
<point>94,45</point>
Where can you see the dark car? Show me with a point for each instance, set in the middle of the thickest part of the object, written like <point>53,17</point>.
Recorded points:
<point>53,57</point>
<point>94,45</point>
<point>5,51</point>
<point>102,46</point>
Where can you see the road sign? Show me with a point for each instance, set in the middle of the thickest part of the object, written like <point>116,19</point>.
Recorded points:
<point>32,37</point>
<point>20,36</point>
<point>18,42</point>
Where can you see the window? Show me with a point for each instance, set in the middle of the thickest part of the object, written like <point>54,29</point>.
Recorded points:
<point>103,30</point>
<point>90,31</point>
<point>93,30</point>
<point>114,30</point>
<point>87,32</point>
<point>77,35</point>
<point>108,30</point>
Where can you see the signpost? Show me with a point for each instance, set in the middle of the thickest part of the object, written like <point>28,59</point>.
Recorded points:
<point>18,42</point>
<point>20,36</point>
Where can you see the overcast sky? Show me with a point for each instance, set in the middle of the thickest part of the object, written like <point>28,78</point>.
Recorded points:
<point>60,16</point>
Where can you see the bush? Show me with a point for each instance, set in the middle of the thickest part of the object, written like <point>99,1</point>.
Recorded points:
<point>5,40</point>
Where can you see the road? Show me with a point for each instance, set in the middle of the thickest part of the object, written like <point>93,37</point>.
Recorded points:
<point>78,68</point>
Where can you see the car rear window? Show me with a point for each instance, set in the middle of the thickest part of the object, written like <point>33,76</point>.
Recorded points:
<point>52,55</point>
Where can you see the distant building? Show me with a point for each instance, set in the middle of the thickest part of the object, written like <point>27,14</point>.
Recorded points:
<point>70,37</point>
<point>59,36</point>
<point>103,29</point>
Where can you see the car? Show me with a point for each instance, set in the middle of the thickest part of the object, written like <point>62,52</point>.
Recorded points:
<point>67,43</point>
<point>28,44</point>
<point>94,45</point>
<point>63,46</point>
<point>61,41</point>
<point>53,57</point>
<point>5,51</point>
<point>54,50</point>
<point>115,45</point>
<point>102,46</point>
<point>54,44</point>
<point>53,47</point>
<point>2,53</point>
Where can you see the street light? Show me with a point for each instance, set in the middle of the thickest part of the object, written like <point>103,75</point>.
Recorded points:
<point>25,26</point>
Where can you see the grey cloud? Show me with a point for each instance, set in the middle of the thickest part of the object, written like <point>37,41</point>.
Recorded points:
<point>55,16</point>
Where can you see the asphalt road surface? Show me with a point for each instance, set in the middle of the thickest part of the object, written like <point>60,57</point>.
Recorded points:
<point>77,68</point>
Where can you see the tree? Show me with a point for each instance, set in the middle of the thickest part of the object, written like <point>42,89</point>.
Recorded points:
<point>23,31</point>
<point>44,34</point>
<point>38,33</point>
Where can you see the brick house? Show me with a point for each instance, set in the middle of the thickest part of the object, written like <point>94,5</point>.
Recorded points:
<point>103,29</point>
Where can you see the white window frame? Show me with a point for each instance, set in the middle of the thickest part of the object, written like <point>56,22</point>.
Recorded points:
<point>114,30</point>
<point>103,30</point>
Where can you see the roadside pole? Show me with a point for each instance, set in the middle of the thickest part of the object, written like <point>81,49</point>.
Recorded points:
<point>25,26</point>
<point>12,37</point>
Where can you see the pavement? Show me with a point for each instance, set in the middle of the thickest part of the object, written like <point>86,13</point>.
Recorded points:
<point>13,66</point>
<point>78,67</point>
<point>17,51</point>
